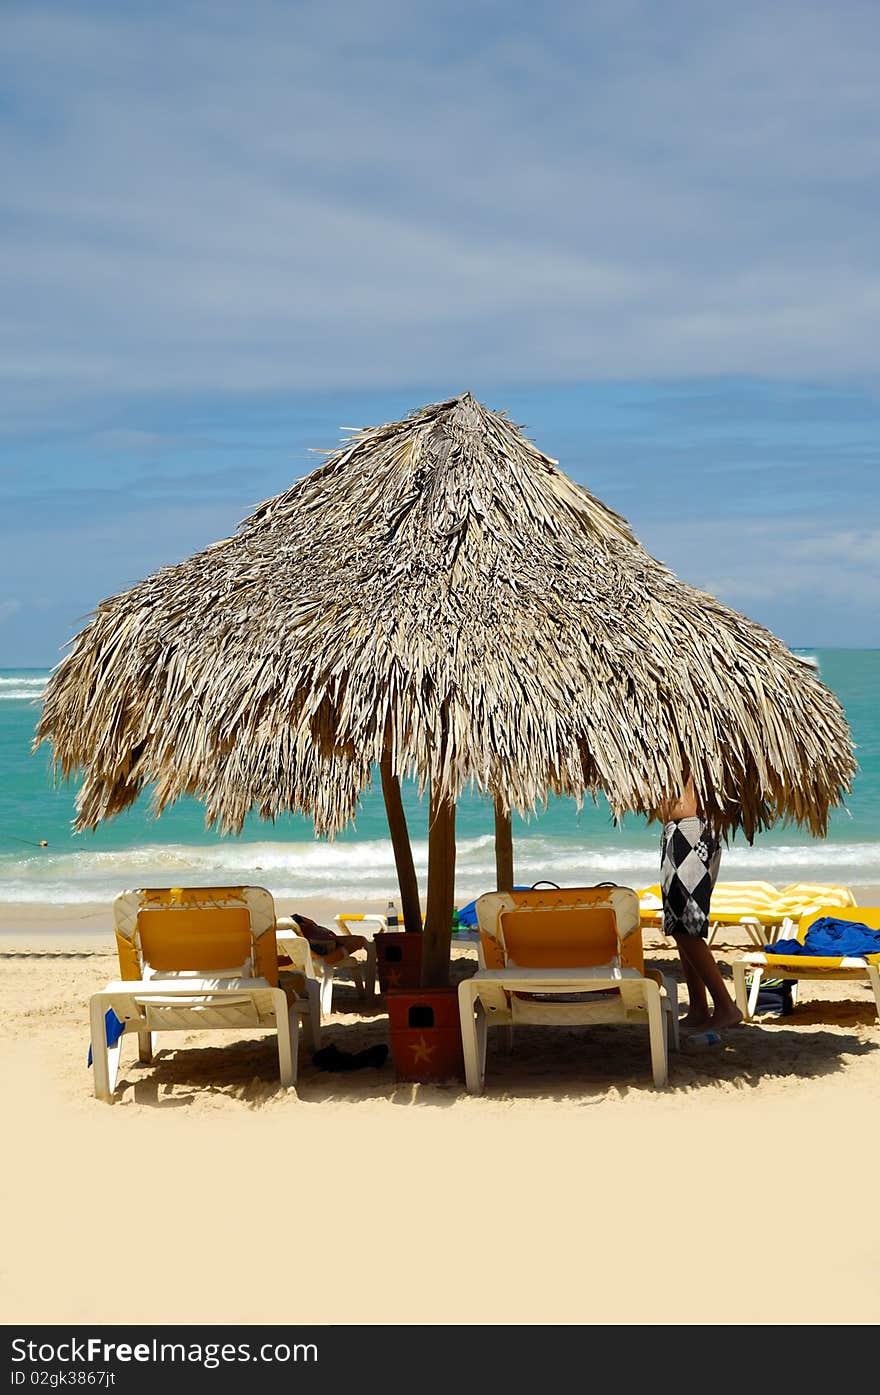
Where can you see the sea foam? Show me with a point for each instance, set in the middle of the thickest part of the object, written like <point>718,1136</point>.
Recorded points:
<point>22,689</point>
<point>362,871</point>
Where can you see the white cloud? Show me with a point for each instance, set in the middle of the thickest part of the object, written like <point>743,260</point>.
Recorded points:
<point>308,196</point>
<point>787,571</point>
<point>8,608</point>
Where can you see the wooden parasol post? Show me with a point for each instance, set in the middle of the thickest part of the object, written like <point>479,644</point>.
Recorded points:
<point>403,858</point>
<point>503,848</point>
<point>437,943</point>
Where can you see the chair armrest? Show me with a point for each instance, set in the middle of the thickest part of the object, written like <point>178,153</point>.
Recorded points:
<point>183,986</point>
<point>659,978</point>
<point>297,949</point>
<point>363,922</point>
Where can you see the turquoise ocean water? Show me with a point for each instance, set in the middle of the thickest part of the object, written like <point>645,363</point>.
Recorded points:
<point>558,843</point>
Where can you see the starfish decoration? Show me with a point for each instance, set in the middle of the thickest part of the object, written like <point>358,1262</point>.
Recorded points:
<point>422,1051</point>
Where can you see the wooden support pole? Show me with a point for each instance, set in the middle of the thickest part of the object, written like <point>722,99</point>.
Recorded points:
<point>403,858</point>
<point>503,849</point>
<point>441,892</point>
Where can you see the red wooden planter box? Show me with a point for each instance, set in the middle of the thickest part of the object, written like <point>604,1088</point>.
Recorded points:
<point>399,958</point>
<point>425,1033</point>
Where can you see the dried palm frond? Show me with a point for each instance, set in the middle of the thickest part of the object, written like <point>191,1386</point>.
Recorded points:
<point>440,590</point>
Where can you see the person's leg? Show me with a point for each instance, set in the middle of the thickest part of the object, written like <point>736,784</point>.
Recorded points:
<point>697,1015</point>
<point>695,952</point>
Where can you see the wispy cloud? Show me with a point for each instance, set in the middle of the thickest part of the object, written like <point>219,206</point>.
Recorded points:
<point>810,583</point>
<point>299,196</point>
<point>8,608</point>
<point>214,217</point>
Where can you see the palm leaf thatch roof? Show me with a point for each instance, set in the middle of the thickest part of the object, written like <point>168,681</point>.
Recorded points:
<point>440,592</point>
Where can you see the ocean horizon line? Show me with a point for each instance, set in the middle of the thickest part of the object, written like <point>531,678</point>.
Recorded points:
<point>47,667</point>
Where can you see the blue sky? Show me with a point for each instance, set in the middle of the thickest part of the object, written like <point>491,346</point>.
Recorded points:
<point>649,232</point>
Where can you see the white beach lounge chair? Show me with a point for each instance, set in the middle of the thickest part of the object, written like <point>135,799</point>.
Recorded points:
<point>196,958</point>
<point>569,956</point>
<point>750,971</point>
<point>759,908</point>
<point>361,970</point>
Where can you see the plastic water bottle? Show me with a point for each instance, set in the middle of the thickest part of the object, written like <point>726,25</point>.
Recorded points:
<point>455,922</point>
<point>700,1040</point>
<point>391,921</point>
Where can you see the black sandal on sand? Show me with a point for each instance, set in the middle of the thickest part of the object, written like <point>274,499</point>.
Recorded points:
<point>331,1058</point>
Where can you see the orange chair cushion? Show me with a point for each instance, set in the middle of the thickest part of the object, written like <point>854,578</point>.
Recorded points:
<point>560,939</point>
<point>202,939</point>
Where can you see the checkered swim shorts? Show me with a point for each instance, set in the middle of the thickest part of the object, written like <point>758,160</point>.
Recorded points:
<point>690,858</point>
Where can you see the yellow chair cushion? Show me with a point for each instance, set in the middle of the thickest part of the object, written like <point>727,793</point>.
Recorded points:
<point>179,939</point>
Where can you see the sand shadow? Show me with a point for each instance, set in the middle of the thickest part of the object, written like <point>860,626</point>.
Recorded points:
<point>350,1003</point>
<point>179,1077</point>
<point>247,1068</point>
<point>577,1064</point>
<point>755,1052</point>
<point>583,1064</point>
<point>823,1012</point>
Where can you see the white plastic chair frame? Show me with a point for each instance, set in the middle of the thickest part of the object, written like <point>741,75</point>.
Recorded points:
<point>192,1001</point>
<point>851,968</point>
<point>758,908</point>
<point>193,1004</point>
<point>363,972</point>
<point>490,997</point>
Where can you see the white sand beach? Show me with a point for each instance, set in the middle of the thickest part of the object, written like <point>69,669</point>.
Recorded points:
<point>373,536</point>
<point>572,1191</point>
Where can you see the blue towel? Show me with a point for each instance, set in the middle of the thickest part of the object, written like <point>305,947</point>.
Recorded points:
<point>831,939</point>
<point>113,1030</point>
<point>467,916</point>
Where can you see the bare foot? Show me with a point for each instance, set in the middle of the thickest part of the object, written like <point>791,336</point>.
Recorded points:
<point>722,1019</point>
<point>692,1025</point>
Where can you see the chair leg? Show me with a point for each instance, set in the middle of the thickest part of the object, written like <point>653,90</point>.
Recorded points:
<point>671,1004</point>
<point>287,1028</point>
<point>739,988</point>
<point>312,1018</point>
<point>114,1054</point>
<point>145,1047</point>
<point>327,990</point>
<point>370,971</point>
<point>874,976</point>
<point>468,1009</point>
<point>670,1023</point>
<point>100,1054</point>
<point>754,930</point>
<point>482,1029</point>
<point>657,1030</point>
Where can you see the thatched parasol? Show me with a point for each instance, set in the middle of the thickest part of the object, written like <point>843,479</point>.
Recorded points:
<point>438,599</point>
